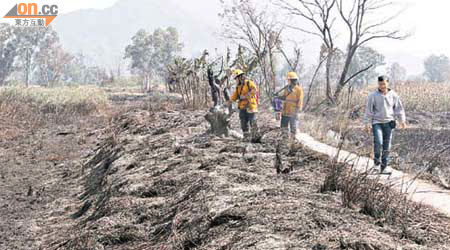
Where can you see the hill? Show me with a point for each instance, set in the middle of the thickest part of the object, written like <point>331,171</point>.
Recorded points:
<point>104,34</point>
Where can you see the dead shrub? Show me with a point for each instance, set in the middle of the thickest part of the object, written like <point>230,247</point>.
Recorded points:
<point>333,179</point>
<point>365,191</point>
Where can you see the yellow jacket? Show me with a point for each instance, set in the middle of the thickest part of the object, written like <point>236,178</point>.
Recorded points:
<point>293,101</point>
<point>246,94</point>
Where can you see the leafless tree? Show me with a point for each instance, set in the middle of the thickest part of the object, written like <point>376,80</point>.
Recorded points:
<point>364,21</point>
<point>319,13</point>
<point>257,30</point>
<point>293,62</point>
<point>312,83</point>
<point>359,19</point>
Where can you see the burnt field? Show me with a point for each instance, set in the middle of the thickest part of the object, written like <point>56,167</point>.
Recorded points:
<point>147,175</point>
<point>160,182</point>
<point>422,149</point>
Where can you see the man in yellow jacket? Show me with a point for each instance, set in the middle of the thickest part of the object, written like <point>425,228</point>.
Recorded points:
<point>246,95</point>
<point>293,105</point>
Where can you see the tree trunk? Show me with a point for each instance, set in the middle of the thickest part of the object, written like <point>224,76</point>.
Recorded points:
<point>148,84</point>
<point>328,80</point>
<point>219,120</point>
<point>272,71</point>
<point>342,79</point>
<point>27,71</point>
<point>215,89</point>
<point>47,79</point>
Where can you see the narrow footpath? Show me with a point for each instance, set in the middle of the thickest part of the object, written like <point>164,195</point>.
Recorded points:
<point>418,190</point>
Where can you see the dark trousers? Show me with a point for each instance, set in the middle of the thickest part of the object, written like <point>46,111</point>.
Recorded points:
<point>247,120</point>
<point>291,122</point>
<point>382,141</point>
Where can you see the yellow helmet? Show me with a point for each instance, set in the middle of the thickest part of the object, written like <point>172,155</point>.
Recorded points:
<point>237,73</point>
<point>292,76</point>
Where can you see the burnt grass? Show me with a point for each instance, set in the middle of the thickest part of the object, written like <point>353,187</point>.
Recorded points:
<point>37,170</point>
<point>423,149</point>
<point>158,180</point>
<point>151,177</point>
<point>420,151</point>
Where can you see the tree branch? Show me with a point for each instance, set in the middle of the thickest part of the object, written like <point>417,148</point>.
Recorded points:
<point>357,73</point>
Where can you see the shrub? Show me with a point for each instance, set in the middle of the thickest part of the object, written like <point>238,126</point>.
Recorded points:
<point>364,190</point>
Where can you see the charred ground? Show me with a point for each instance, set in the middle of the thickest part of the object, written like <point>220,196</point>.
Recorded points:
<point>151,177</point>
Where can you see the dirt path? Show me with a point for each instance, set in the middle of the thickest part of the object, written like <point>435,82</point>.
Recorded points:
<point>419,191</point>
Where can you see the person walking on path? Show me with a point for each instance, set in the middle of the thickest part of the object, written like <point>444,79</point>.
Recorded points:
<point>384,108</point>
<point>293,105</point>
<point>246,94</point>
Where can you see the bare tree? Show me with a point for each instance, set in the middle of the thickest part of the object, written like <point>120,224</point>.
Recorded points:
<point>364,22</point>
<point>319,13</point>
<point>52,63</point>
<point>362,29</point>
<point>312,83</point>
<point>293,62</point>
<point>256,29</point>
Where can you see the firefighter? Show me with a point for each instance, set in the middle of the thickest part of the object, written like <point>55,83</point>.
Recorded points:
<point>293,104</point>
<point>246,93</point>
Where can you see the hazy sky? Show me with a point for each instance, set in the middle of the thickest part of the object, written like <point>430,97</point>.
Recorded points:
<point>427,19</point>
<point>64,5</point>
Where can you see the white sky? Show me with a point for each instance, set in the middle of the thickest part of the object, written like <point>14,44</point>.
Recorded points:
<point>64,5</point>
<point>428,19</point>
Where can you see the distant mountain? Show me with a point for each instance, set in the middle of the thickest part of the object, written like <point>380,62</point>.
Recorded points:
<point>103,34</point>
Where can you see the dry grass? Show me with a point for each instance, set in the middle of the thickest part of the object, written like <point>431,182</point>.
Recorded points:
<point>363,192</point>
<point>416,97</point>
<point>420,97</point>
<point>25,109</point>
<point>58,101</point>
<point>430,97</point>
